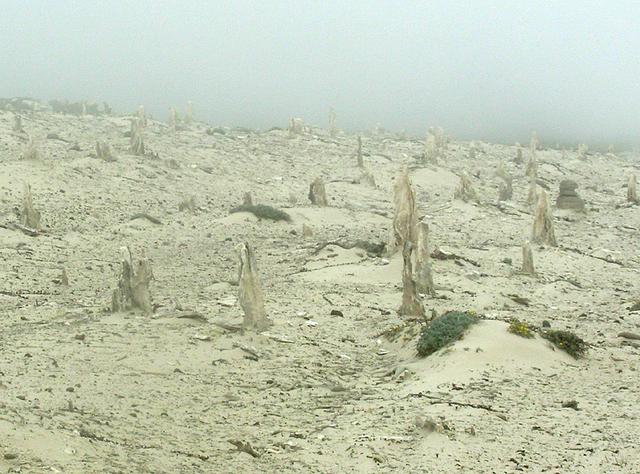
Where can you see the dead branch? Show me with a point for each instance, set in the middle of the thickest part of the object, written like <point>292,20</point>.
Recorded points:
<point>604,259</point>
<point>442,255</point>
<point>144,215</point>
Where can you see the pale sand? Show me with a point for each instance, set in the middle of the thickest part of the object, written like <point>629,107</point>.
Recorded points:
<point>82,390</point>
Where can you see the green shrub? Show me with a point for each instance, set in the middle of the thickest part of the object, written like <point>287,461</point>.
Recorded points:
<point>263,212</point>
<point>444,330</point>
<point>521,328</point>
<point>567,341</point>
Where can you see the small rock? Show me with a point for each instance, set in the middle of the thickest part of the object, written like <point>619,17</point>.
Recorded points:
<point>427,424</point>
<point>570,404</point>
<point>228,301</point>
<point>336,312</point>
<point>307,231</point>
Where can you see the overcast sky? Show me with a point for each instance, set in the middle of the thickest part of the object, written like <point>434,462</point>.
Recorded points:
<point>490,70</point>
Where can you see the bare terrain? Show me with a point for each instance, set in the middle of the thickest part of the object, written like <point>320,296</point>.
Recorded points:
<point>324,389</point>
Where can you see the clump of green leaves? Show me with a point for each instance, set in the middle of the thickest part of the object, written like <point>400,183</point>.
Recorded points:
<point>567,341</point>
<point>444,330</point>
<point>263,211</point>
<point>521,328</point>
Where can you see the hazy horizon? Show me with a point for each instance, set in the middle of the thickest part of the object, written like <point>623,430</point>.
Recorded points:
<point>489,70</point>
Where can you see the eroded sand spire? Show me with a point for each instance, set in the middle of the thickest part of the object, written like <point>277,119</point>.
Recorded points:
<point>64,277</point>
<point>411,304</point>
<point>505,191</point>
<point>359,153</point>
<point>333,129</point>
<point>142,116</point>
<point>405,218</point>
<point>317,193</point>
<point>307,231</point>
<point>296,126</point>
<point>251,297</point>
<point>518,159</point>
<point>133,285</point>
<point>532,194</point>
<point>501,170</point>
<point>534,143</point>
<point>532,166</point>
<point>188,204</point>
<point>173,119</point>
<point>368,178</point>
<point>30,217</point>
<point>543,232</point>
<point>582,151</point>
<point>17,123</point>
<point>465,190</point>
<point>30,151</point>
<point>188,116</point>
<point>103,151</point>
<point>431,149</point>
<point>136,141</point>
<point>632,195</point>
<point>422,273</point>
<point>527,260</point>
<point>568,196</point>
<point>441,139</point>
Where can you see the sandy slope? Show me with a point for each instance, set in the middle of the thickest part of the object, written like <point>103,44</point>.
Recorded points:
<point>82,390</point>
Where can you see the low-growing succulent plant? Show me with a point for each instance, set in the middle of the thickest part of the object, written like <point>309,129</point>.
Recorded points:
<point>444,330</point>
<point>263,211</point>
<point>567,341</point>
<point>521,328</point>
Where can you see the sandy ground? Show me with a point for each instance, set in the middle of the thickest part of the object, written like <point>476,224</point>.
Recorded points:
<point>83,390</point>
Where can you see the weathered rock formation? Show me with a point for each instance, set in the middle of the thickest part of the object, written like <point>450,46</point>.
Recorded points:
<point>251,297</point>
<point>411,304</point>
<point>317,193</point>
<point>543,232</point>
<point>568,197</point>
<point>133,285</point>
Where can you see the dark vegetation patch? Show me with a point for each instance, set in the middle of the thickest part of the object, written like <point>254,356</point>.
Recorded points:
<point>262,211</point>
<point>444,330</point>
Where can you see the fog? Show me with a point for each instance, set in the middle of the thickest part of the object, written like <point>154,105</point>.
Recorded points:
<point>493,70</point>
